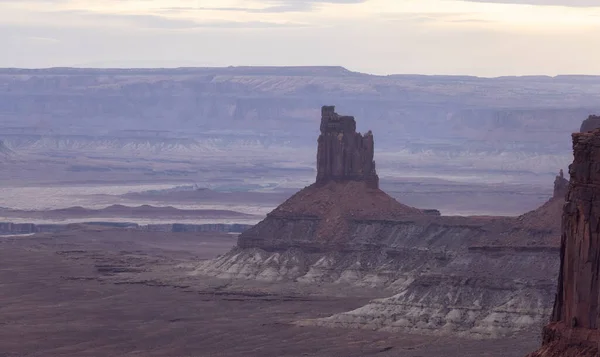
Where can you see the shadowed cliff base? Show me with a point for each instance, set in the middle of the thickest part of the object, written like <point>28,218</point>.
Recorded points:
<point>481,277</point>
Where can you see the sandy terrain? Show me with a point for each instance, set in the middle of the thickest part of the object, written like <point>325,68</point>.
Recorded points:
<point>103,292</point>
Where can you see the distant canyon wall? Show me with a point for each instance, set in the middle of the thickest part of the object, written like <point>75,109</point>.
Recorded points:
<point>450,124</point>
<point>8,228</point>
<point>72,101</point>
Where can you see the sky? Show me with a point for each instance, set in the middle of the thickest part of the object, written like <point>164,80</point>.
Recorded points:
<point>468,37</point>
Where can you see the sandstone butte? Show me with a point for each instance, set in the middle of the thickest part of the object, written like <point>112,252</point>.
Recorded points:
<point>574,327</point>
<point>346,187</point>
<point>347,190</point>
<point>343,229</point>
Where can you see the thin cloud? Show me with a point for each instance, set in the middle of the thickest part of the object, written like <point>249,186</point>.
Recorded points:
<point>167,23</point>
<point>567,3</point>
<point>41,39</point>
<point>272,6</point>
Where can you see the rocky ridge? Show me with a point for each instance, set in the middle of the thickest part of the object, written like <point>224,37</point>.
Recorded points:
<point>574,330</point>
<point>472,276</point>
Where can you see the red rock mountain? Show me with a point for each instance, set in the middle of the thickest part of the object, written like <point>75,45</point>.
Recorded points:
<point>574,328</point>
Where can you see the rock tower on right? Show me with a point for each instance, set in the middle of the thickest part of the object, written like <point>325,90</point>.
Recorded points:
<point>574,330</point>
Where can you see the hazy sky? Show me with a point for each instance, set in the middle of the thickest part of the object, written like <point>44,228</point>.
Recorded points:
<point>479,37</point>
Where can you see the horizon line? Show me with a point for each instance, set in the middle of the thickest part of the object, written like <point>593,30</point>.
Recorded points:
<point>282,67</point>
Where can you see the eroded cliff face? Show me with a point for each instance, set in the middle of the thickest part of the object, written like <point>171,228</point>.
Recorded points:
<point>444,275</point>
<point>574,330</point>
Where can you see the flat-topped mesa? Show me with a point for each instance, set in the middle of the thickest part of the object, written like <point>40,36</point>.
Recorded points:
<point>343,154</point>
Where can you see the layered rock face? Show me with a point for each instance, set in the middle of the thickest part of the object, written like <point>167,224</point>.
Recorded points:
<point>574,330</point>
<point>472,276</point>
<point>343,154</point>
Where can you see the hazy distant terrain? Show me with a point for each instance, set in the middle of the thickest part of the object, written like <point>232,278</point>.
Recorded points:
<point>158,123</point>
<point>86,136</point>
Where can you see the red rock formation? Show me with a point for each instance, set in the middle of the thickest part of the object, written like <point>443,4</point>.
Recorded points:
<point>591,123</point>
<point>343,154</point>
<point>346,189</point>
<point>574,329</point>
<point>561,185</point>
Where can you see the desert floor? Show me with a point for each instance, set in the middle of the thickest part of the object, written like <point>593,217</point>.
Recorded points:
<point>109,292</point>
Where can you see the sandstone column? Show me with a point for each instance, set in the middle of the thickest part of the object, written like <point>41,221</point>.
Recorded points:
<point>343,154</point>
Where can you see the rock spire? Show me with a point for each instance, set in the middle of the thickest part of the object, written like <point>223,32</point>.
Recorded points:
<point>561,185</point>
<point>343,154</point>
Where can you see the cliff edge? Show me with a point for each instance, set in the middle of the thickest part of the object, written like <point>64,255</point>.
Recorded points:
<point>574,328</point>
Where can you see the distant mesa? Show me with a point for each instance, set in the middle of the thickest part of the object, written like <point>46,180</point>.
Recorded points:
<point>121,211</point>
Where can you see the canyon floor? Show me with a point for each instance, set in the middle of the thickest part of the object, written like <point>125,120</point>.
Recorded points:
<point>113,292</point>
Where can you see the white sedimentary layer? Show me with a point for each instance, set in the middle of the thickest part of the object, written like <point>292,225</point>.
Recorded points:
<point>431,294</point>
